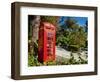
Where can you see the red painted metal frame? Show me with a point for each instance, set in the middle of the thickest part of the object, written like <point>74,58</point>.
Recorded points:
<point>46,50</point>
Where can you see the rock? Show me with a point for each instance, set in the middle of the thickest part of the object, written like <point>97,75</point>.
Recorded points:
<point>64,55</point>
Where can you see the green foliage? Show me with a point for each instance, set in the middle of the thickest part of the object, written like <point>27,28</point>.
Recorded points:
<point>72,35</point>
<point>51,63</point>
<point>70,22</point>
<point>33,61</point>
<point>50,19</point>
<point>30,60</point>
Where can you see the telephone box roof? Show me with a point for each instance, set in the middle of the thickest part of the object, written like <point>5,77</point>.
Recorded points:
<point>47,24</point>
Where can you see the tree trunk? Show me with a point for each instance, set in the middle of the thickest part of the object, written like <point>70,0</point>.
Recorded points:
<point>35,28</point>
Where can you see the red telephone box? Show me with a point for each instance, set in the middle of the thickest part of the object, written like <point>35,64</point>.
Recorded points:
<point>46,50</point>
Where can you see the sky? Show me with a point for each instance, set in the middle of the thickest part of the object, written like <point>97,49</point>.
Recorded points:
<point>80,20</point>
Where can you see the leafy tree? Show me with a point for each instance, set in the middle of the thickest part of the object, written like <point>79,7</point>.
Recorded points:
<point>72,37</point>
<point>70,22</point>
<point>50,19</point>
